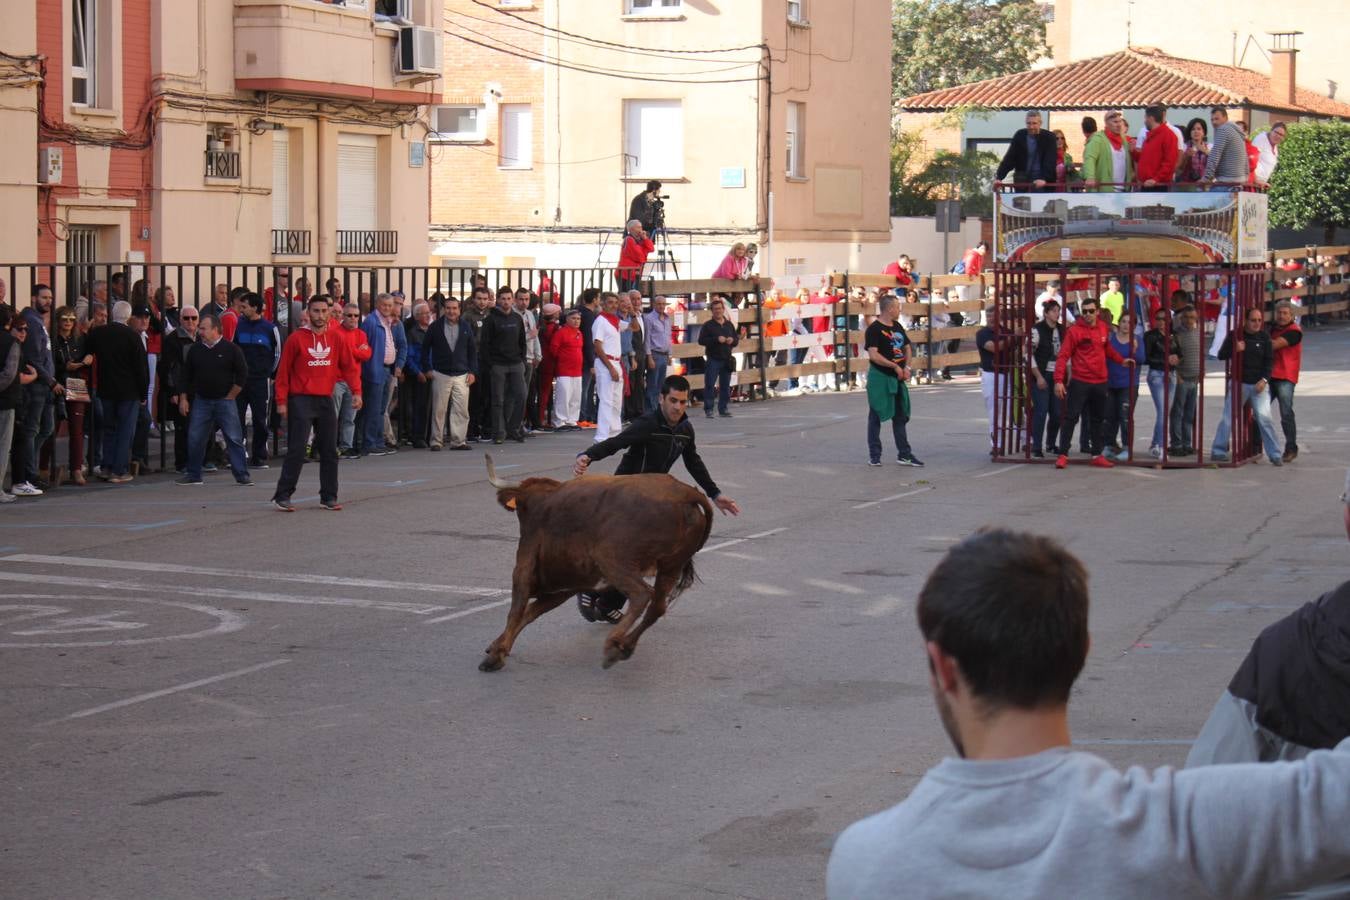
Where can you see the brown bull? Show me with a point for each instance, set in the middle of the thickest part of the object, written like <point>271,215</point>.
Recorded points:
<point>596,531</point>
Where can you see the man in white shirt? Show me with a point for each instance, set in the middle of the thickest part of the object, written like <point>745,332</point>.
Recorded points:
<point>1021,814</point>
<point>608,367</point>
<point>1267,143</point>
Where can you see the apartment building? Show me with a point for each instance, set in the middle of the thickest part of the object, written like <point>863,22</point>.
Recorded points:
<point>217,131</point>
<point>765,120</point>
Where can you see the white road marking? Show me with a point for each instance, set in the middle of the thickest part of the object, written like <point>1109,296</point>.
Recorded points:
<point>251,596</point>
<point>834,588</point>
<point>871,503</point>
<point>465,612</point>
<point>297,577</point>
<point>734,541</point>
<point>226,622</point>
<point>999,471</point>
<point>884,606</point>
<point>764,590</point>
<point>154,695</point>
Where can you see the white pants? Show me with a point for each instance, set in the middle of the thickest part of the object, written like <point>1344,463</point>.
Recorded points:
<point>449,392</point>
<point>987,391</point>
<point>566,399</point>
<point>609,392</point>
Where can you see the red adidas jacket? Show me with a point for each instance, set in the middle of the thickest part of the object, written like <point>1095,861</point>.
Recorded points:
<point>1086,349</point>
<point>312,364</point>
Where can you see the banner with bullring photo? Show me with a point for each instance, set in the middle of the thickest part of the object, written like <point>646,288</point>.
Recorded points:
<point>1174,228</point>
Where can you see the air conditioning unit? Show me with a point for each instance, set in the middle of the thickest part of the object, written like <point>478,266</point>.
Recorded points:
<point>419,51</point>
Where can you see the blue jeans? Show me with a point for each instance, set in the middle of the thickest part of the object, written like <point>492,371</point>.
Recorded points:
<point>1183,413</point>
<point>1045,414</point>
<point>372,412</point>
<point>898,422</point>
<point>36,424</point>
<point>1260,404</point>
<point>1162,388</point>
<point>1282,393</point>
<point>655,379</point>
<point>795,357</point>
<point>203,420</point>
<point>717,384</point>
<point>119,427</point>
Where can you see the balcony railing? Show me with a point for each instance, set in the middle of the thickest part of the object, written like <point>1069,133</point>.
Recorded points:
<point>222,164</point>
<point>367,243</point>
<point>290,242</point>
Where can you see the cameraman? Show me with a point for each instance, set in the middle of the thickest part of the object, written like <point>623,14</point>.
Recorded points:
<point>633,256</point>
<point>648,209</point>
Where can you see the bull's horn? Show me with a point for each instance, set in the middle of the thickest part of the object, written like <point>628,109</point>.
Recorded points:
<point>492,475</point>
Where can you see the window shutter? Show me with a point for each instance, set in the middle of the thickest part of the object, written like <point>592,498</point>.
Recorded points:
<point>517,146</point>
<point>357,157</point>
<point>281,179</point>
<point>654,138</point>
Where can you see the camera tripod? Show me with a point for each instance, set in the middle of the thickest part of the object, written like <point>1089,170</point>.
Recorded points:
<point>663,252</point>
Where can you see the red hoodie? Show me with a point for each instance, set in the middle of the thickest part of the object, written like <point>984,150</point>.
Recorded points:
<point>565,348</point>
<point>632,256</point>
<point>356,342</point>
<point>1158,159</point>
<point>1087,349</point>
<point>312,364</point>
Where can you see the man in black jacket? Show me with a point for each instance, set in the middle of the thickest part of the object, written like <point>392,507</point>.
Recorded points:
<point>502,348</point>
<point>173,354</point>
<point>1256,358</point>
<point>123,380</point>
<point>1032,156</point>
<point>214,374</point>
<point>651,444</point>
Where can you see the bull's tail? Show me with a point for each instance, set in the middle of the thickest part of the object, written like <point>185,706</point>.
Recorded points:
<point>687,575</point>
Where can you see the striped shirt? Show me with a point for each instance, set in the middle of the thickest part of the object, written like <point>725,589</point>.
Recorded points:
<point>1228,156</point>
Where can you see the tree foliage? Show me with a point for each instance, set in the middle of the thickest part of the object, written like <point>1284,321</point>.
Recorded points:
<point>964,176</point>
<point>943,43</point>
<point>1311,184</point>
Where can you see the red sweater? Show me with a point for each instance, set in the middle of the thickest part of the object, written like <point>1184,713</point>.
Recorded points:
<point>356,341</point>
<point>1087,349</point>
<point>633,256</point>
<point>902,277</point>
<point>1158,159</point>
<point>312,364</point>
<point>565,348</point>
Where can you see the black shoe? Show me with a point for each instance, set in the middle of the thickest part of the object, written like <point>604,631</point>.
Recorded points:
<point>419,445</point>
<point>1036,454</point>
<point>283,505</point>
<point>472,439</point>
<point>435,448</point>
<point>244,482</point>
<point>710,415</point>
<point>41,484</point>
<point>188,479</point>
<point>724,415</point>
<point>330,505</point>
<point>874,462</point>
<point>1290,454</point>
<point>460,447</point>
<point>258,464</point>
<point>498,440</point>
<point>351,454</point>
<point>519,439</point>
<point>910,460</point>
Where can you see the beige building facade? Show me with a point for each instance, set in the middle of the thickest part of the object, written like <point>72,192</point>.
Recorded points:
<point>257,132</point>
<point>766,123</point>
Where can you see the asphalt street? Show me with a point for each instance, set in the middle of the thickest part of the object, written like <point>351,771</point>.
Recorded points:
<point>207,698</point>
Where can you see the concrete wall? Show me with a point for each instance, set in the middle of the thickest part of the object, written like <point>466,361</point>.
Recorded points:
<point>19,158</point>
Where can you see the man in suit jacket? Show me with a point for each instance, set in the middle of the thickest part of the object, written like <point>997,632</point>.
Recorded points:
<point>1032,155</point>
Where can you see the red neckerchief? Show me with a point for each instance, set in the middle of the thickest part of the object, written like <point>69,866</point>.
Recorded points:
<point>1116,140</point>
<point>612,319</point>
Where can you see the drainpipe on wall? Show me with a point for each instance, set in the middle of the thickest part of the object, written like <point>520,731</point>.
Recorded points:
<point>325,213</point>
<point>767,268</point>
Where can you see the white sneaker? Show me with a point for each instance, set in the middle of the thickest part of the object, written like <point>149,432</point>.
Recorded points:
<point>6,497</point>
<point>24,489</point>
<point>1155,452</point>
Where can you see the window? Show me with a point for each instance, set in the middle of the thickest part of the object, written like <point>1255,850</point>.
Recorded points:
<point>281,179</point>
<point>797,12</point>
<point>796,140</point>
<point>83,52</point>
<point>653,7</point>
<point>653,140</point>
<point>457,123</point>
<point>397,11</point>
<point>357,187</point>
<point>517,137</point>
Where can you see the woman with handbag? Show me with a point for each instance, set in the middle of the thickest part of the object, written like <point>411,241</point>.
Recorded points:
<point>72,373</point>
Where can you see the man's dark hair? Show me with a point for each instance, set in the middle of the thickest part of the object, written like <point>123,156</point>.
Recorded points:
<point>317,298</point>
<point>589,296</point>
<point>117,278</point>
<point>1157,112</point>
<point>1180,296</point>
<point>253,300</point>
<point>607,294</point>
<point>482,288</point>
<point>212,318</point>
<point>1219,109</point>
<point>674,383</point>
<point>1089,301</point>
<point>653,185</point>
<point>505,289</point>
<point>1050,304</point>
<point>237,292</point>
<point>39,288</point>
<point>1089,126</point>
<point>330,284</point>
<point>1012,608</point>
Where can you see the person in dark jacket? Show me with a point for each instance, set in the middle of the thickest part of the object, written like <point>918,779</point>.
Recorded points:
<point>214,374</point>
<point>123,377</point>
<point>37,413</point>
<point>1256,359</point>
<point>1032,156</point>
<point>418,384</point>
<point>718,337</point>
<point>480,392</point>
<point>1162,352</point>
<point>68,356</point>
<point>15,374</point>
<point>502,346</point>
<point>651,443</point>
<point>1046,338</point>
<point>260,342</point>
<point>450,357</point>
<point>173,353</point>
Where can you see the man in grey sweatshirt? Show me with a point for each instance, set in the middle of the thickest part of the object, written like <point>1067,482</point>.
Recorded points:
<point>1228,163</point>
<point>1022,815</point>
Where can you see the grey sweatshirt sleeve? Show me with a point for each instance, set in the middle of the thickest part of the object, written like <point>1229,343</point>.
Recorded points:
<point>1266,828</point>
<point>11,369</point>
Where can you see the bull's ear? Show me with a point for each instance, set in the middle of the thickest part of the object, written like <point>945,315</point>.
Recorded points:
<point>508,498</point>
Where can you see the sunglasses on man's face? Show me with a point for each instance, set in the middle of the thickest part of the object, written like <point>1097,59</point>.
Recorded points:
<point>189,318</point>
<point>351,315</point>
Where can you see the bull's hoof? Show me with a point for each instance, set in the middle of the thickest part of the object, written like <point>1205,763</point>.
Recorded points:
<point>491,664</point>
<point>613,655</point>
